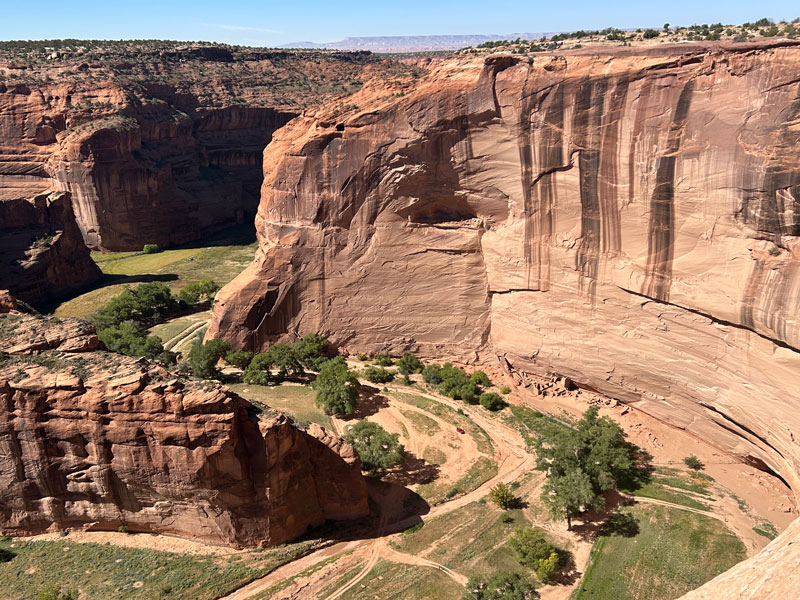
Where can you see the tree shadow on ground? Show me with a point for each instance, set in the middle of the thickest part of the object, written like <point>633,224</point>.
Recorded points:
<point>370,401</point>
<point>620,524</point>
<point>413,471</point>
<point>592,520</point>
<point>568,572</point>
<point>6,555</point>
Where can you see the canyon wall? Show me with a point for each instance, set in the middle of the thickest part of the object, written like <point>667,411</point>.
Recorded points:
<point>156,145</point>
<point>96,440</point>
<point>42,254</point>
<point>628,219</point>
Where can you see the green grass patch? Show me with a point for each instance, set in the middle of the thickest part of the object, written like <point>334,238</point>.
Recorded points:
<point>295,400</point>
<point>672,552</point>
<point>531,424</point>
<point>479,473</point>
<point>766,529</point>
<point>422,423</point>
<point>434,456</point>
<point>444,412</point>
<point>658,492</point>
<point>226,255</point>
<point>470,540</point>
<point>107,571</point>
<point>390,580</point>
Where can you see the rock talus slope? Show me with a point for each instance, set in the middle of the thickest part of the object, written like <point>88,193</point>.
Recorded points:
<point>628,219</point>
<point>97,440</point>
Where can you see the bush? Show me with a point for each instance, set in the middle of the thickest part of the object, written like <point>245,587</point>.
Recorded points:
<point>432,374</point>
<point>123,529</point>
<point>534,551</point>
<point>500,586</point>
<point>649,34</point>
<point>505,390</point>
<point>336,388</point>
<point>199,291</point>
<point>694,463</point>
<point>492,401</point>
<point>383,360</point>
<point>377,375</point>
<point>502,496</point>
<point>53,592</point>
<point>130,339</point>
<point>457,384</point>
<point>480,378</point>
<point>312,351</point>
<point>362,357</point>
<point>150,249</point>
<point>285,359</point>
<point>409,364</point>
<point>506,518</point>
<point>146,303</point>
<point>378,449</point>
<point>203,358</point>
<point>239,358</point>
<point>259,371</point>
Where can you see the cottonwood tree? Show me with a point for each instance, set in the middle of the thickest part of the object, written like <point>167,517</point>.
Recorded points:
<point>336,388</point>
<point>583,462</point>
<point>378,449</point>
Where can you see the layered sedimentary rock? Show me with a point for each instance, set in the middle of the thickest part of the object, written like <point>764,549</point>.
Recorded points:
<point>157,145</point>
<point>627,219</point>
<point>97,440</point>
<point>42,254</point>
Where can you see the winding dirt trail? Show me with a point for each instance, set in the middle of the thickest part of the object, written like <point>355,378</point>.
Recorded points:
<point>513,461</point>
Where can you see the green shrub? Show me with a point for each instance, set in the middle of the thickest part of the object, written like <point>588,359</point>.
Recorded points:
<point>378,449</point>
<point>336,388</point>
<point>534,551</point>
<point>377,375</point>
<point>150,249</point>
<point>694,463</point>
<point>130,339</point>
<point>432,374</point>
<point>409,364</point>
<point>198,291</point>
<point>203,358</point>
<point>362,357</point>
<point>312,351</point>
<point>492,401</point>
<point>146,303</point>
<point>505,390</point>
<point>383,360</point>
<point>650,34</point>
<point>259,371</point>
<point>502,496</point>
<point>54,592</point>
<point>123,529</point>
<point>239,358</point>
<point>480,378</point>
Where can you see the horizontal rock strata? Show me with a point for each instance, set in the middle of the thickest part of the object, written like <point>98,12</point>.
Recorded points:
<point>627,219</point>
<point>95,440</point>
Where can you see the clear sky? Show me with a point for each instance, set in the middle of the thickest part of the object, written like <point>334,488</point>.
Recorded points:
<point>269,23</point>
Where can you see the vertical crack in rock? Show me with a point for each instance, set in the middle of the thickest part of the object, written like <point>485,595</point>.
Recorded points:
<point>661,227</point>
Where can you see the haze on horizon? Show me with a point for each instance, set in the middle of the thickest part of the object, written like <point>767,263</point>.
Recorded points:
<point>246,22</point>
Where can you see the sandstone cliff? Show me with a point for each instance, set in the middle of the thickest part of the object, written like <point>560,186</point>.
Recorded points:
<point>626,219</point>
<point>42,254</point>
<point>97,440</point>
<point>157,145</point>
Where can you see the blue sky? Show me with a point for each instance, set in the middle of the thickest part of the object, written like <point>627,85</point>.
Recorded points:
<point>273,23</point>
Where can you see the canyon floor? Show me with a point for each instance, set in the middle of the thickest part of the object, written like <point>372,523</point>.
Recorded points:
<point>432,526</point>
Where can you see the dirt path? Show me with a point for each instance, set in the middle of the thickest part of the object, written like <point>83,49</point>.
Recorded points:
<point>512,460</point>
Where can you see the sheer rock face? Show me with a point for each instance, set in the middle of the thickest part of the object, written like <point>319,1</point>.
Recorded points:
<point>42,254</point>
<point>98,440</point>
<point>628,220</point>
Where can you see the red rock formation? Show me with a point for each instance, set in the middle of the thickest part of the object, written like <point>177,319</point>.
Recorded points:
<point>42,254</point>
<point>624,219</point>
<point>156,145</point>
<point>98,440</point>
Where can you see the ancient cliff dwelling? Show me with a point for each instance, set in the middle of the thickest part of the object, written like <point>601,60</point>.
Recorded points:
<point>434,316</point>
